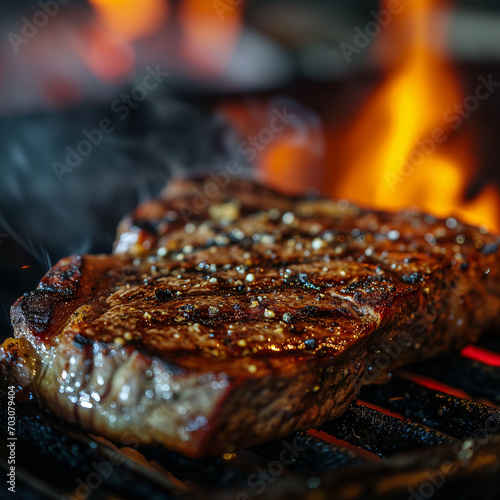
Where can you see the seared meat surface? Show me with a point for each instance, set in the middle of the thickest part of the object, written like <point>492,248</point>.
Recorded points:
<point>228,317</point>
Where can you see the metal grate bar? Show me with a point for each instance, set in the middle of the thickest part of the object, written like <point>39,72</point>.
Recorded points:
<point>462,470</point>
<point>305,453</point>
<point>476,378</point>
<point>381,433</point>
<point>454,416</point>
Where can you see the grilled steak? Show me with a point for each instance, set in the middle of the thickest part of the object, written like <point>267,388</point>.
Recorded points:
<point>228,317</point>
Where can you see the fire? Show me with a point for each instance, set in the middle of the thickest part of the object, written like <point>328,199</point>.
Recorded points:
<point>409,146</point>
<point>108,56</point>
<point>205,34</point>
<point>210,33</point>
<point>107,46</point>
<point>131,19</point>
<point>287,153</point>
<point>282,164</point>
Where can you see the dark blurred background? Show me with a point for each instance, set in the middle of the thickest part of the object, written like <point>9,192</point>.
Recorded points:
<point>103,101</point>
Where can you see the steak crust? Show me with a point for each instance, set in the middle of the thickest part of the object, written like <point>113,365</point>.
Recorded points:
<point>231,316</point>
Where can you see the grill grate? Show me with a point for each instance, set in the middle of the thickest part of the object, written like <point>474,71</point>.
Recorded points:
<point>380,433</point>
<point>312,454</point>
<point>477,379</point>
<point>457,417</point>
<point>418,428</point>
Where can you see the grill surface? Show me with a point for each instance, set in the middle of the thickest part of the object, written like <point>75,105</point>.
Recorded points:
<point>400,440</point>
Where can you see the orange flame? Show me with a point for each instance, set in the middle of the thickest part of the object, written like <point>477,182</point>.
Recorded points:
<point>210,33</point>
<point>282,164</point>
<point>107,55</point>
<point>107,46</point>
<point>402,150</point>
<point>132,19</point>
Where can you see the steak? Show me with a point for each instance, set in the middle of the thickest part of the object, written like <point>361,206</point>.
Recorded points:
<point>230,314</point>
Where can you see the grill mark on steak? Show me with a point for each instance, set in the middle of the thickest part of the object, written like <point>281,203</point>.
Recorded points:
<point>247,319</point>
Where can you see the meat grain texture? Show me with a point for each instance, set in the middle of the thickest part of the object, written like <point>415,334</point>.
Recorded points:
<point>231,316</point>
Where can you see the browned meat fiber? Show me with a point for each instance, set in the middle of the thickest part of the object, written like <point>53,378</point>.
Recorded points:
<point>228,317</point>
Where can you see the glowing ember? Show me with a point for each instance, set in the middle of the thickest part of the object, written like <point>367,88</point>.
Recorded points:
<point>437,385</point>
<point>482,355</point>
<point>410,145</point>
